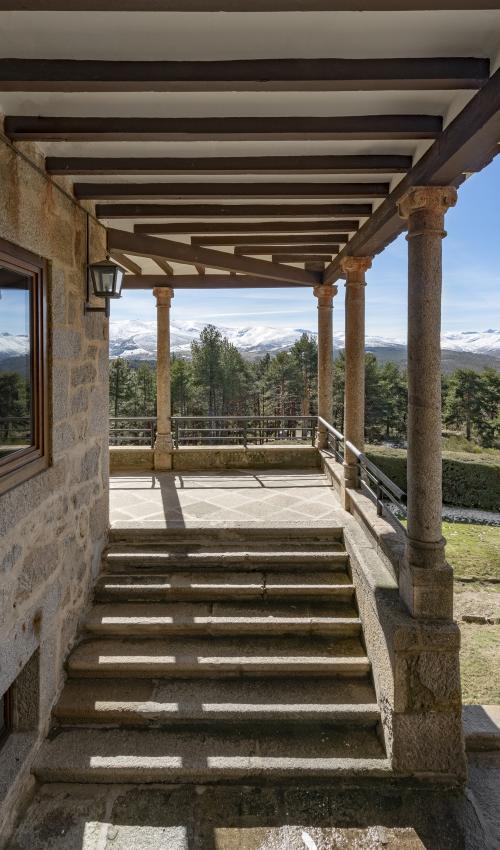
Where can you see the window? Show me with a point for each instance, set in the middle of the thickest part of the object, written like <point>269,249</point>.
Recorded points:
<point>5,715</point>
<point>23,366</point>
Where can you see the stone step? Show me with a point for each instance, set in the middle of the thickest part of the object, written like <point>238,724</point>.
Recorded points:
<point>158,755</point>
<point>219,618</point>
<point>227,585</point>
<point>279,535</point>
<point>181,702</point>
<point>221,657</point>
<point>258,559</point>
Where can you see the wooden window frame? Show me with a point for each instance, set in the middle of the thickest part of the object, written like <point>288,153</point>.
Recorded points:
<point>25,463</point>
<point>8,715</point>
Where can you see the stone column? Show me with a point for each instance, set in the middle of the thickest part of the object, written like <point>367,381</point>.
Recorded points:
<point>354,396</point>
<point>325,293</point>
<point>163,444</point>
<point>426,581</point>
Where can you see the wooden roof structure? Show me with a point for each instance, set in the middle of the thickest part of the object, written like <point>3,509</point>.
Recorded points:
<point>236,143</point>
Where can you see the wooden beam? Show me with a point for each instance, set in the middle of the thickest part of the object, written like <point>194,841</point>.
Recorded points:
<point>200,269</point>
<point>231,210</point>
<point>227,228</point>
<point>126,262</point>
<point>97,75</point>
<point>163,265</point>
<point>120,129</point>
<point>467,144</point>
<point>274,239</point>
<point>264,250</point>
<point>227,191</point>
<point>291,258</point>
<point>243,5</point>
<point>292,165</point>
<point>208,281</point>
<point>180,252</point>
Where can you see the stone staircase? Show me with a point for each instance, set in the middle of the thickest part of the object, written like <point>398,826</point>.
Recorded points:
<point>216,656</point>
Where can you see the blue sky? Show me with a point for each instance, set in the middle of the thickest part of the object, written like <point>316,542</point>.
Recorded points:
<point>471,281</point>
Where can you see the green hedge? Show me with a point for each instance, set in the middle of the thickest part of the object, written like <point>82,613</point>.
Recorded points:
<point>469,480</point>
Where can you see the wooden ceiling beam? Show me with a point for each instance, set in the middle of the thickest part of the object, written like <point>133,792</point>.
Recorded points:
<point>292,165</point>
<point>163,265</point>
<point>96,75</point>
<point>275,239</point>
<point>227,191</point>
<point>126,262</point>
<point>208,281</point>
<point>233,227</point>
<point>180,252</point>
<point>263,250</point>
<point>468,144</point>
<point>231,210</point>
<point>243,5</point>
<point>309,258</point>
<point>120,129</point>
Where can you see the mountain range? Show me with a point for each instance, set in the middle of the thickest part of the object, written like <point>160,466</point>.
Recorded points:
<point>136,341</point>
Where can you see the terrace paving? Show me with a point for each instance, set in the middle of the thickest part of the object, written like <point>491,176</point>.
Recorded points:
<point>222,499</point>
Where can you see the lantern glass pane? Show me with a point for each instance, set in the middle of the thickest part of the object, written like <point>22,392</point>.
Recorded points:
<point>119,280</point>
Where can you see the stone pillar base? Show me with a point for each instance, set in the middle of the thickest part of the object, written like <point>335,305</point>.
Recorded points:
<point>350,482</point>
<point>427,591</point>
<point>163,452</point>
<point>321,441</point>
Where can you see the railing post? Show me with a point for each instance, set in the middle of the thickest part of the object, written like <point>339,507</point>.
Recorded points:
<point>245,433</point>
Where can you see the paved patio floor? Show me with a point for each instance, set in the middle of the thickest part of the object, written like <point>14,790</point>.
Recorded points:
<point>221,498</point>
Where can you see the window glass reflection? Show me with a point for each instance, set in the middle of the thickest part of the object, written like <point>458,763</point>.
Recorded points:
<point>16,426</point>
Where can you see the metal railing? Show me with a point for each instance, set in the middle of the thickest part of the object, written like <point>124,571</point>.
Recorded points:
<point>242,430</point>
<point>215,430</point>
<point>384,492</point>
<point>15,427</point>
<point>132,431</point>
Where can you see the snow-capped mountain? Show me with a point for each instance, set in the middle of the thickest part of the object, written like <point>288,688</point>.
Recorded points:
<point>13,345</point>
<point>136,340</point>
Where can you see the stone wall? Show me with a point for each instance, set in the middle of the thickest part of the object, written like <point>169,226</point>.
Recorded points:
<point>52,527</point>
<point>196,458</point>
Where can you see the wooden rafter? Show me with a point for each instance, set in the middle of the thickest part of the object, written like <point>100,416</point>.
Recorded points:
<point>209,281</point>
<point>231,211</point>
<point>70,75</point>
<point>242,5</point>
<point>163,265</point>
<point>264,250</point>
<point>292,165</point>
<point>180,252</point>
<point>208,228</point>
<point>126,262</point>
<point>292,258</point>
<point>225,191</point>
<point>131,128</point>
<point>274,239</point>
<point>467,144</point>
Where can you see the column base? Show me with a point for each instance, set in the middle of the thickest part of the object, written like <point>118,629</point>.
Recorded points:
<point>350,482</point>
<point>427,591</point>
<point>321,441</point>
<point>162,454</point>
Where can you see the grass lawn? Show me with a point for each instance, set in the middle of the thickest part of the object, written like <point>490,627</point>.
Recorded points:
<point>480,664</point>
<point>474,553</point>
<point>473,550</point>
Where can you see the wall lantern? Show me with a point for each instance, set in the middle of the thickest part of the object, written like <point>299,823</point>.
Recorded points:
<point>105,279</point>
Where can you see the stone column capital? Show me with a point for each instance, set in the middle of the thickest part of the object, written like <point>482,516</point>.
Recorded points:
<point>355,265</point>
<point>435,199</point>
<point>163,295</point>
<point>324,292</point>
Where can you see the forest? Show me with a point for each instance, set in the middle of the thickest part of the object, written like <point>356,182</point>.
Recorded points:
<point>217,381</point>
